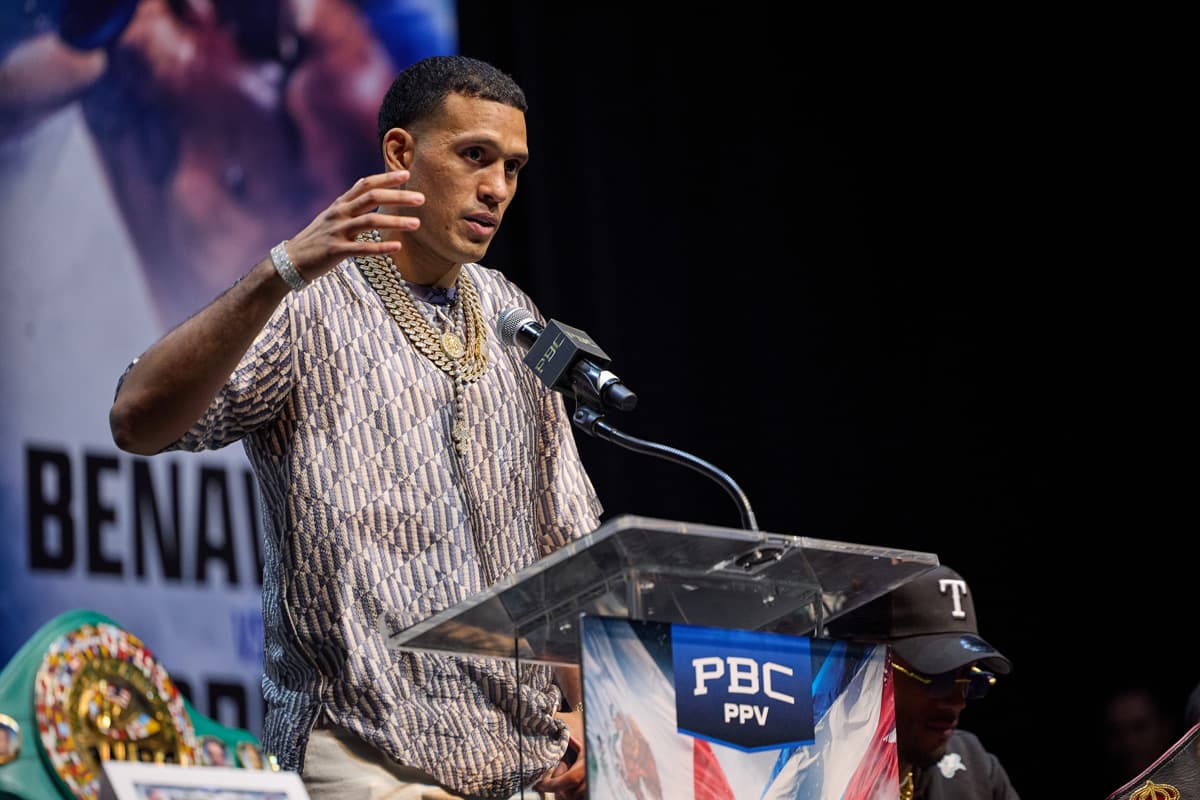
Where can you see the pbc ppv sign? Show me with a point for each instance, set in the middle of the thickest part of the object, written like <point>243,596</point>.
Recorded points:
<point>745,689</point>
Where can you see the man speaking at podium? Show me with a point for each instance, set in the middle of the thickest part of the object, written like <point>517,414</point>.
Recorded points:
<point>407,459</point>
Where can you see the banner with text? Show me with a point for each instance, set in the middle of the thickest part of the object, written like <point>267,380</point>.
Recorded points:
<point>712,714</point>
<point>150,154</point>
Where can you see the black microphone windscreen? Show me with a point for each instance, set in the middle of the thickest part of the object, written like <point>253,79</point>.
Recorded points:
<point>511,321</point>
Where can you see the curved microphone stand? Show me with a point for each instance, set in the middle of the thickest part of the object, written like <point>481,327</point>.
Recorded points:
<point>591,421</point>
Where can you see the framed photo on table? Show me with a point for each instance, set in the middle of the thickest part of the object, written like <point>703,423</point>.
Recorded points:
<point>249,756</point>
<point>134,780</point>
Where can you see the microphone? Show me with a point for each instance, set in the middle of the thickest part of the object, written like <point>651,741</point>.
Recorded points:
<point>565,358</point>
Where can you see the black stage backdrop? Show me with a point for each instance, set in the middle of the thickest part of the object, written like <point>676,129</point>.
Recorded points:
<point>909,283</point>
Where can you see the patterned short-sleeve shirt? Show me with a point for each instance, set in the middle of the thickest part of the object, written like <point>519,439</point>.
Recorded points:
<point>373,523</point>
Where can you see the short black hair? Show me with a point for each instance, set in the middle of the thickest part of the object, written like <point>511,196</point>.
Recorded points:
<point>418,91</point>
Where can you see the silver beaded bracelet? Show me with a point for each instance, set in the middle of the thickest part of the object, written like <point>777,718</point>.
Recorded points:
<point>286,269</point>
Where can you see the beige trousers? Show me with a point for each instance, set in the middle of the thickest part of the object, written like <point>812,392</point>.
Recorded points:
<point>338,765</point>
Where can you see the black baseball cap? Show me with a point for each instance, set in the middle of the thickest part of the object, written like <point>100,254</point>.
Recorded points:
<point>929,621</point>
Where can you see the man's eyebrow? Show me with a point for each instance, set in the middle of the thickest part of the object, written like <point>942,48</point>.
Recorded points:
<point>469,139</point>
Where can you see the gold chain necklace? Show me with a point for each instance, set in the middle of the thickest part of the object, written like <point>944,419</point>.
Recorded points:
<point>463,359</point>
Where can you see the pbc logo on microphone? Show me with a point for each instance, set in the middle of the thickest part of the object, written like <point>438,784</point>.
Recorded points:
<point>745,689</point>
<point>557,349</point>
<point>549,354</point>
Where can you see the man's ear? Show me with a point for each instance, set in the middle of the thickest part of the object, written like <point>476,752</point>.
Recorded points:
<point>398,145</point>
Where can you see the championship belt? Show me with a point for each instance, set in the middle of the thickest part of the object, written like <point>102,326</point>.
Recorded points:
<point>1175,775</point>
<point>82,691</point>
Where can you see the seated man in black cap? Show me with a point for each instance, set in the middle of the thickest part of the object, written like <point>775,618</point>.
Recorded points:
<point>939,661</point>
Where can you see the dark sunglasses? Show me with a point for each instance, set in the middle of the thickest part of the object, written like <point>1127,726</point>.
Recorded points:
<point>974,683</point>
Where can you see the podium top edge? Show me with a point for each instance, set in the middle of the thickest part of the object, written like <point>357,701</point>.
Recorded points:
<point>638,522</point>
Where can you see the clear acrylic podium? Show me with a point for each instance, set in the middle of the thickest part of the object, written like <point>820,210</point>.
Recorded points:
<point>656,570</point>
<point>660,571</point>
